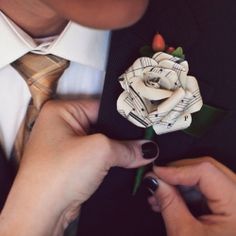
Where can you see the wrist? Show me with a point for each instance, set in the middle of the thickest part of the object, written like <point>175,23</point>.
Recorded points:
<point>23,221</point>
<point>29,210</point>
<point>26,220</point>
<point>32,209</point>
<point>66,218</point>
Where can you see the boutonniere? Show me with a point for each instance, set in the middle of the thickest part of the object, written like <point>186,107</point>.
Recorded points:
<point>160,95</point>
<point>159,92</point>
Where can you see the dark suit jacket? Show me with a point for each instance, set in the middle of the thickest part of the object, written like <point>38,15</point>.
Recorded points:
<point>6,178</point>
<point>207,32</point>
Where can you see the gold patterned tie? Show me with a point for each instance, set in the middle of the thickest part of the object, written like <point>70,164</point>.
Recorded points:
<point>41,73</point>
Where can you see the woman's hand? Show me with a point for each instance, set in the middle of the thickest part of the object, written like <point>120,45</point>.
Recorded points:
<point>63,166</point>
<point>216,182</point>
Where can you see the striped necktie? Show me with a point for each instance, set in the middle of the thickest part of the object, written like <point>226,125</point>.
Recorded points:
<point>41,73</point>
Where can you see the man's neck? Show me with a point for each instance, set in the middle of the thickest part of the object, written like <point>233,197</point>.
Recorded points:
<point>34,17</point>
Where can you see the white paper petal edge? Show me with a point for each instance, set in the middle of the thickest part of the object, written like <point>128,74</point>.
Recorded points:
<point>159,92</point>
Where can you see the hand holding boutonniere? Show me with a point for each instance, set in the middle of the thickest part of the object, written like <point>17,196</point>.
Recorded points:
<point>160,93</point>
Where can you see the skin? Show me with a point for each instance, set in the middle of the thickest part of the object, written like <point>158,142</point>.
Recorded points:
<point>34,17</point>
<point>121,13</point>
<point>65,126</point>
<point>42,18</point>
<point>60,146</point>
<point>214,180</point>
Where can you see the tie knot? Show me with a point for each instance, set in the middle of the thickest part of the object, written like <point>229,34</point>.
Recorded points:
<point>41,73</point>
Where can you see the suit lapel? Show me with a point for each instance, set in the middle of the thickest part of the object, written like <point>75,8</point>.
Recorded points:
<point>124,49</point>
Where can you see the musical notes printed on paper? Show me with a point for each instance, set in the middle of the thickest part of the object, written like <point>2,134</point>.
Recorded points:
<point>159,92</point>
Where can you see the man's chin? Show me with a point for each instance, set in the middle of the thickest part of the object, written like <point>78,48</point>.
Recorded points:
<point>101,14</point>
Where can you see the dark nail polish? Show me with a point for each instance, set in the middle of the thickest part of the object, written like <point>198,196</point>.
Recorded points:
<point>150,150</point>
<point>151,184</point>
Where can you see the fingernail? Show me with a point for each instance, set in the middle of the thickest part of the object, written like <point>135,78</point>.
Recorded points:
<point>151,184</point>
<point>150,150</point>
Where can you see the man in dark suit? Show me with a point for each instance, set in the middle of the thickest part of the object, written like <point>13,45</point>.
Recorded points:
<point>206,31</point>
<point>200,28</point>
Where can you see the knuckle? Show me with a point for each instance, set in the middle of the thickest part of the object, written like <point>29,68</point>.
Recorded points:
<point>74,109</point>
<point>105,153</point>
<point>166,200</point>
<point>129,153</point>
<point>53,105</point>
<point>48,107</point>
<point>101,138</point>
<point>132,152</point>
<point>206,166</point>
<point>209,159</point>
<point>102,143</point>
<point>61,108</point>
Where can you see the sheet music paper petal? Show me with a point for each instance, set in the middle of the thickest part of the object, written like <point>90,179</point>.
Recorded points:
<point>159,92</point>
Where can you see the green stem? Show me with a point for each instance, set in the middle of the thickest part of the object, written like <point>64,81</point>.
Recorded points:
<point>149,133</point>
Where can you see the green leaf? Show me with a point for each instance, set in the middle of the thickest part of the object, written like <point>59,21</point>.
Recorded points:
<point>178,52</point>
<point>146,51</point>
<point>205,119</point>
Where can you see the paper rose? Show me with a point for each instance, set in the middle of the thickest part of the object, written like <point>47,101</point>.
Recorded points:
<point>159,92</point>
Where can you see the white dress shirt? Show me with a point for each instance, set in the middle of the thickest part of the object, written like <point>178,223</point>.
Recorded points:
<point>86,49</point>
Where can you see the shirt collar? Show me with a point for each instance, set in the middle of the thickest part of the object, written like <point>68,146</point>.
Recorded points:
<point>76,43</point>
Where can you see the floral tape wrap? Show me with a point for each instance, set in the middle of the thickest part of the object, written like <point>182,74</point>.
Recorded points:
<point>159,92</point>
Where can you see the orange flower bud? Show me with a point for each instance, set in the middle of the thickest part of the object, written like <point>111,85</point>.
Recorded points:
<point>158,43</point>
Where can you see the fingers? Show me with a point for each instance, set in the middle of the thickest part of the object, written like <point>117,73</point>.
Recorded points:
<point>60,120</point>
<point>214,184</point>
<point>88,108</point>
<point>81,114</point>
<point>68,117</point>
<point>126,154</point>
<point>194,161</point>
<point>168,201</point>
<point>132,154</point>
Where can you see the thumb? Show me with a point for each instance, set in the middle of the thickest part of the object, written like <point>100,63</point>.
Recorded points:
<point>168,201</point>
<point>132,154</point>
<point>213,183</point>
